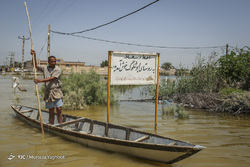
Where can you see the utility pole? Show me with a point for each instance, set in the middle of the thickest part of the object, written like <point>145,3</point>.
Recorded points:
<point>6,65</point>
<point>12,59</point>
<point>23,52</point>
<point>48,48</point>
<point>226,49</point>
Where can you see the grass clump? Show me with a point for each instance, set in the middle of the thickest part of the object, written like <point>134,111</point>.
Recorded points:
<point>175,110</point>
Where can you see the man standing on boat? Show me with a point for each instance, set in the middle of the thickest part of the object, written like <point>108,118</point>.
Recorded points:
<point>53,91</point>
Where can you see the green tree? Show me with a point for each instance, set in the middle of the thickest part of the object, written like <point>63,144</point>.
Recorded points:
<point>167,66</point>
<point>18,64</point>
<point>234,68</point>
<point>104,63</point>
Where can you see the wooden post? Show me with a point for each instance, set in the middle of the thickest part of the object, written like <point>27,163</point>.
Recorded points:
<point>156,93</point>
<point>108,85</point>
<point>34,64</point>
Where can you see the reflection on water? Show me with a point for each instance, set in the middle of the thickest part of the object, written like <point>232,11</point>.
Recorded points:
<point>227,138</point>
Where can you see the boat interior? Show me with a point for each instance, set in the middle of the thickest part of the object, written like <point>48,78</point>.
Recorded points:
<point>101,129</point>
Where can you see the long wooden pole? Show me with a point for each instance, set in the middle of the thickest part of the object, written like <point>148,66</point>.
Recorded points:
<point>23,55</point>
<point>34,64</point>
<point>48,48</point>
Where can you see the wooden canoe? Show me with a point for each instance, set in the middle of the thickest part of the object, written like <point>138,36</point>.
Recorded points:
<point>110,137</point>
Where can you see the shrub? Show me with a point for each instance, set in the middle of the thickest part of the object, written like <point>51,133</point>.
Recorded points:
<point>83,89</point>
<point>235,68</point>
<point>230,90</point>
<point>237,103</point>
<point>203,78</point>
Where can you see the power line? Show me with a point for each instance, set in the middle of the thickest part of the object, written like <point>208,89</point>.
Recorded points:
<point>41,14</point>
<point>91,29</point>
<point>47,13</point>
<point>132,44</point>
<point>43,46</point>
<point>63,11</point>
<point>142,45</point>
<point>58,15</point>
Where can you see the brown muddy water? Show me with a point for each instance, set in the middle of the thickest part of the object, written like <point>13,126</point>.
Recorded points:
<point>227,138</point>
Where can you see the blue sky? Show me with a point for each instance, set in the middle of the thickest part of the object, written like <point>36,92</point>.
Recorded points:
<point>169,23</point>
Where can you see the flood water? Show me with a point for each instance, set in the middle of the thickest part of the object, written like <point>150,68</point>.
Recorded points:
<point>226,138</point>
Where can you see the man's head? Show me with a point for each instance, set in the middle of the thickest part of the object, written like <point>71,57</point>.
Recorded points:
<point>52,61</point>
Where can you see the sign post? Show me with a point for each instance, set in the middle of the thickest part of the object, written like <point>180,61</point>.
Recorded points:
<point>108,96</point>
<point>156,93</point>
<point>133,68</point>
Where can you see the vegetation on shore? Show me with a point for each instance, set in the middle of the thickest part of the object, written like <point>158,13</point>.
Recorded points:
<point>220,85</point>
<point>83,89</point>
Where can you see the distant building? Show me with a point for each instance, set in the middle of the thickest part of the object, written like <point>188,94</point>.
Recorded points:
<point>70,66</point>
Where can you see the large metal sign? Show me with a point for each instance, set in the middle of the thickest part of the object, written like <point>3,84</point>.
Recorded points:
<point>133,68</point>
